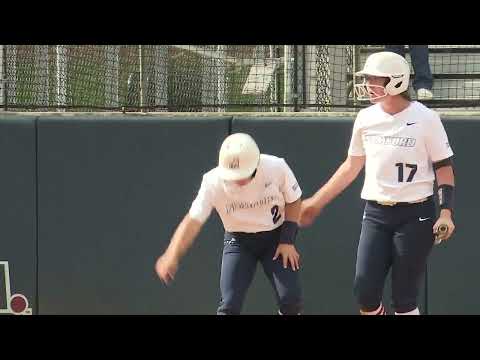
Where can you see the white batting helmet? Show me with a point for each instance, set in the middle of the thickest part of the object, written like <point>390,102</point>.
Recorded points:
<point>384,64</point>
<point>238,157</point>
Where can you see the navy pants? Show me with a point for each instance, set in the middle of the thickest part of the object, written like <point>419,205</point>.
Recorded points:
<point>399,238</point>
<point>421,66</point>
<point>241,253</point>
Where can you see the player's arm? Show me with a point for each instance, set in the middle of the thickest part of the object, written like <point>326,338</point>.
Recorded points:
<point>286,247</point>
<point>185,233</point>
<point>181,241</point>
<point>292,210</point>
<point>292,194</point>
<point>341,179</point>
<point>344,176</point>
<point>438,147</point>
<point>183,237</point>
<point>446,190</point>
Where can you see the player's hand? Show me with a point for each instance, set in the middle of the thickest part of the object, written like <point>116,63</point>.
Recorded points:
<point>444,219</point>
<point>289,255</point>
<point>166,268</point>
<point>308,212</point>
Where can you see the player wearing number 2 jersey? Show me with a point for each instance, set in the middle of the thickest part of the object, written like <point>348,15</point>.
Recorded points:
<point>258,200</point>
<point>403,146</point>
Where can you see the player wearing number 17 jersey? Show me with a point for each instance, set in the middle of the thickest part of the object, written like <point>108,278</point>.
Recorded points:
<point>258,200</point>
<point>403,146</point>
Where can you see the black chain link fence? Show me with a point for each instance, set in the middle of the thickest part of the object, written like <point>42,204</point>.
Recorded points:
<point>220,78</point>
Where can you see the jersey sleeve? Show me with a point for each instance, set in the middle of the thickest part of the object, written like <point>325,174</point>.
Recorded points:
<point>356,142</point>
<point>202,206</point>
<point>290,188</point>
<point>436,140</point>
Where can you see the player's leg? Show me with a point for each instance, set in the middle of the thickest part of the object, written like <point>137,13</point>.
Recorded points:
<point>238,269</point>
<point>420,62</point>
<point>285,282</point>
<point>374,258</point>
<point>413,243</point>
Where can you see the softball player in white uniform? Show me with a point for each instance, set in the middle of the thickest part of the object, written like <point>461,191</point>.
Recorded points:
<point>403,146</point>
<point>258,200</point>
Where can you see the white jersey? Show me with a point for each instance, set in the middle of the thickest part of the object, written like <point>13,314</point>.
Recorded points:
<point>399,151</point>
<point>254,207</point>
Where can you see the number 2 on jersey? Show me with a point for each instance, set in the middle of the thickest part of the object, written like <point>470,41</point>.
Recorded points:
<point>276,215</point>
<point>400,171</point>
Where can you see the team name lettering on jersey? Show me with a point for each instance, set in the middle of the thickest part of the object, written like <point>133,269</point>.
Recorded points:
<point>240,205</point>
<point>390,140</point>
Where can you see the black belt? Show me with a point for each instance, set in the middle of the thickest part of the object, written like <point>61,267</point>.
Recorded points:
<point>256,235</point>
